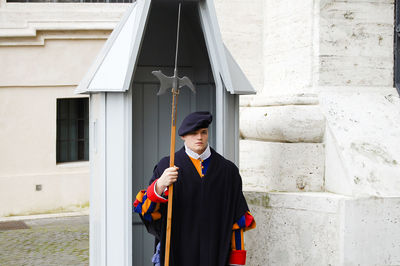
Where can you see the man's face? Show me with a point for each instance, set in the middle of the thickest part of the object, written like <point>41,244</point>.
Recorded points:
<point>197,140</point>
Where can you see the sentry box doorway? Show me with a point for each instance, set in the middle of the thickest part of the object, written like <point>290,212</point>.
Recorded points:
<point>130,124</point>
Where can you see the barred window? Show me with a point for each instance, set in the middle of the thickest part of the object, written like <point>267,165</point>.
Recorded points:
<point>72,130</point>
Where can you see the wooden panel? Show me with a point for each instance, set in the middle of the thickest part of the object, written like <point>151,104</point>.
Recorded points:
<point>138,136</point>
<point>138,232</point>
<point>97,180</point>
<point>138,183</point>
<point>205,100</point>
<point>118,164</point>
<point>150,129</point>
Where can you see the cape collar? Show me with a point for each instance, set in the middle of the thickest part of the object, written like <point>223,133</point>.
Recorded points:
<point>205,155</point>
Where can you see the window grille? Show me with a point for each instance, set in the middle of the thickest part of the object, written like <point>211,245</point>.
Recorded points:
<point>72,130</point>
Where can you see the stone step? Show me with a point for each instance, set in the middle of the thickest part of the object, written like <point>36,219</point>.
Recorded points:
<point>287,123</point>
<point>294,229</point>
<point>321,228</point>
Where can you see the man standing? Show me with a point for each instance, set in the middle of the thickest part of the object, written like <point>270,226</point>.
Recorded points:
<point>209,213</point>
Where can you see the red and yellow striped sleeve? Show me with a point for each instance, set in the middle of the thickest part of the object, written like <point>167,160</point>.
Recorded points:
<point>238,253</point>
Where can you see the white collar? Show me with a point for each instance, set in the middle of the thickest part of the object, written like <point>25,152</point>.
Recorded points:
<point>203,156</point>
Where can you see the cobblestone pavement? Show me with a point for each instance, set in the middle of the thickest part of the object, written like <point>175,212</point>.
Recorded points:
<point>51,241</point>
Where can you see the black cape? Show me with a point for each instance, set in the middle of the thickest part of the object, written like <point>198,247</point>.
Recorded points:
<point>204,211</point>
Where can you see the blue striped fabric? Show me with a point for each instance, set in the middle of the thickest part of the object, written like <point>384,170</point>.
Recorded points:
<point>242,222</point>
<point>205,165</point>
<point>238,240</point>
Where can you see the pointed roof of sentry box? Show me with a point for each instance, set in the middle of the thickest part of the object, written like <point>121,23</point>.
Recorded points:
<point>113,68</point>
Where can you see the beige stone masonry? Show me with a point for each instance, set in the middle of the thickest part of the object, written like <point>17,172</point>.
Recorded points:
<point>322,229</point>
<point>274,166</point>
<point>288,123</point>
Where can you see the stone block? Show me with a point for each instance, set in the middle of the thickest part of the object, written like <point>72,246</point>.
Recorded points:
<point>363,140</point>
<point>279,100</point>
<point>289,123</point>
<point>322,229</point>
<point>287,64</point>
<point>241,24</point>
<point>294,229</point>
<point>371,231</point>
<point>355,43</point>
<point>270,166</point>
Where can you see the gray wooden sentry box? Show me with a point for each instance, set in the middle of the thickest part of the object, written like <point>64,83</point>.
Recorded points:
<point>130,125</point>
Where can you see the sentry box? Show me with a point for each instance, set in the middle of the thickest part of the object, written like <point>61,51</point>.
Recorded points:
<point>130,124</point>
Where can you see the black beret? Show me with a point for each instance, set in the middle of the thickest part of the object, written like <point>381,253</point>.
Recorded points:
<point>195,121</point>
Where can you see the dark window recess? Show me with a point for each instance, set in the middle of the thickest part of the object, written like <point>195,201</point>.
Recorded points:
<point>70,1</point>
<point>72,130</point>
<point>397,46</point>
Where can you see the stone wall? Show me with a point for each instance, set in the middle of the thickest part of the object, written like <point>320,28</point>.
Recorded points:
<point>241,24</point>
<point>362,141</point>
<point>327,78</point>
<point>320,140</point>
<point>355,43</point>
<point>355,87</point>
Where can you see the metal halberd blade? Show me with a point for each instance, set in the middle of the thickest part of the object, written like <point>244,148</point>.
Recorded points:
<point>169,82</point>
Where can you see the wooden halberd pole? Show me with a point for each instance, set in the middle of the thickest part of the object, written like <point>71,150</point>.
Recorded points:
<point>171,163</point>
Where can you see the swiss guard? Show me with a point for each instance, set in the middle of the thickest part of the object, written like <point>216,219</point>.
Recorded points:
<point>210,212</point>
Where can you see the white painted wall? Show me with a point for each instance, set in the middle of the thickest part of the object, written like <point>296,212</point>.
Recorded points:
<point>56,63</point>
<point>28,154</point>
<point>44,53</point>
